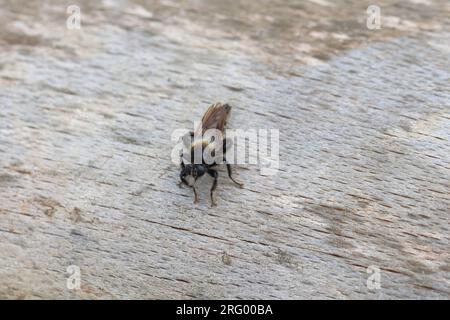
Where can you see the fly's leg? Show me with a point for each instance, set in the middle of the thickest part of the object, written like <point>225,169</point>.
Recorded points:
<point>241,185</point>
<point>215,175</point>
<point>195,195</point>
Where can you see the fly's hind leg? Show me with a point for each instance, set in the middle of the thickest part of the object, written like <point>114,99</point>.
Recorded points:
<point>215,175</point>
<point>241,185</point>
<point>227,144</point>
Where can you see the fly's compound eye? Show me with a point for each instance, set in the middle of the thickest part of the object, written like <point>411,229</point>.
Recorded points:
<point>186,171</point>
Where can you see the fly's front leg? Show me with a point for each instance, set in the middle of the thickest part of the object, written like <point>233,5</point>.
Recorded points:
<point>215,175</point>
<point>241,185</point>
<point>195,195</point>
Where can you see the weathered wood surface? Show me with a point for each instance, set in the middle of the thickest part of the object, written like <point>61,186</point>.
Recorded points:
<point>86,179</point>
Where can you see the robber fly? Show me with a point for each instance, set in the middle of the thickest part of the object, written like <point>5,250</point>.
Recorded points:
<point>215,118</point>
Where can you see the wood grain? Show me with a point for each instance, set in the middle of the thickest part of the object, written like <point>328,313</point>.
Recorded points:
<point>86,179</point>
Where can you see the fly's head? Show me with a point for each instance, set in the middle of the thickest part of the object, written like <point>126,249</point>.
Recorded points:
<point>190,173</point>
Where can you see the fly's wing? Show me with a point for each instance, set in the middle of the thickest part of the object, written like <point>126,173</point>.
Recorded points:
<point>215,118</point>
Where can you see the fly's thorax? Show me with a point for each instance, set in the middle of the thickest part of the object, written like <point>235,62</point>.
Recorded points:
<point>201,147</point>
<point>200,144</point>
